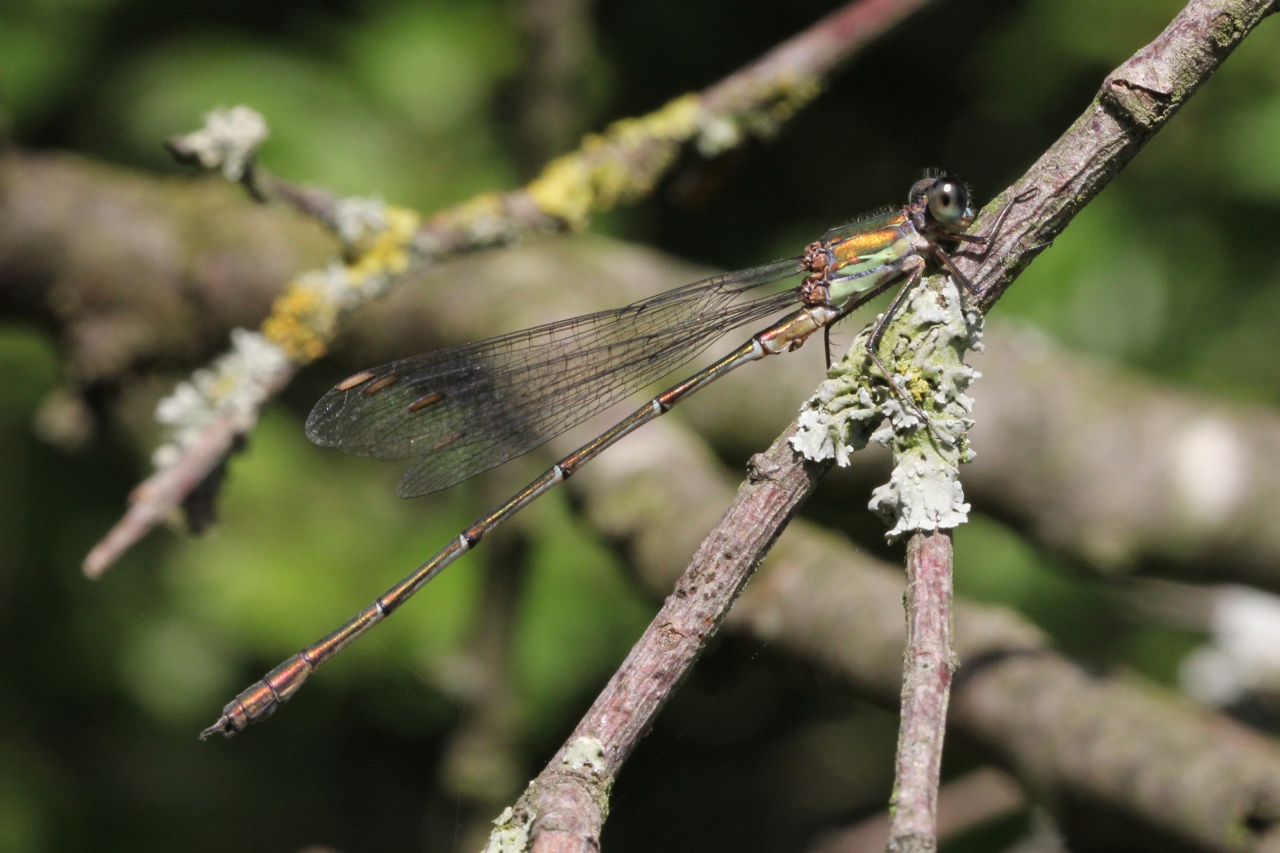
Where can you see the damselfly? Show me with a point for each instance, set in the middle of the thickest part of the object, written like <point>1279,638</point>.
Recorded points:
<point>466,409</point>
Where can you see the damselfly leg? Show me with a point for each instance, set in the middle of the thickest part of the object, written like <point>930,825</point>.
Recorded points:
<point>938,206</point>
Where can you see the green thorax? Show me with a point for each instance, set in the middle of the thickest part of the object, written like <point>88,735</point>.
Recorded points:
<point>863,254</point>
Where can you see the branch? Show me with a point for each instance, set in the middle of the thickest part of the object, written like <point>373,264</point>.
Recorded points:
<point>563,809</point>
<point>927,665</point>
<point>1143,755</point>
<point>620,166</point>
<point>1136,100</point>
<point>1074,170</point>
<point>624,163</point>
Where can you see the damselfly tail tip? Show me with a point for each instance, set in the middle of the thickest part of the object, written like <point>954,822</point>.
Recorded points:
<point>223,726</point>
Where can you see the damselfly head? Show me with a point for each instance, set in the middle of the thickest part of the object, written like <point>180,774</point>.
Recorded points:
<point>946,199</point>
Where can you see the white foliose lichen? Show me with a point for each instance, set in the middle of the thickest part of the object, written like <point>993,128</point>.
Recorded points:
<point>228,140</point>
<point>924,347</point>
<point>236,382</point>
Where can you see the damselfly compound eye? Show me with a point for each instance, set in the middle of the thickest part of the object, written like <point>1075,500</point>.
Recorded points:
<point>948,202</point>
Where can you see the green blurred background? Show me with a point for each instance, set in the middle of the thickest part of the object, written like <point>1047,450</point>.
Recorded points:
<point>1175,269</point>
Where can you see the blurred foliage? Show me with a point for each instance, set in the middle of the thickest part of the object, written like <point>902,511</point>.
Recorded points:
<point>1175,269</point>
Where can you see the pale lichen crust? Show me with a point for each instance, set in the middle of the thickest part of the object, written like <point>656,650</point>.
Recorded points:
<point>585,755</point>
<point>237,381</point>
<point>924,347</point>
<point>511,831</point>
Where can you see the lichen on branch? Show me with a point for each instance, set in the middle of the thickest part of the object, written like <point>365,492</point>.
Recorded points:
<point>377,240</point>
<point>923,346</point>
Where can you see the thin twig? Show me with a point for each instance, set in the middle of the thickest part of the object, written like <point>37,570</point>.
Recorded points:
<point>564,807</point>
<point>621,165</point>
<point>625,162</point>
<point>163,492</point>
<point>927,665</point>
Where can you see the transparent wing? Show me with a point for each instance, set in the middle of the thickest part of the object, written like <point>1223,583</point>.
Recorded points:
<point>469,408</point>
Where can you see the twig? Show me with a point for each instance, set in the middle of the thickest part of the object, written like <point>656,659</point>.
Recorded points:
<point>564,807</point>
<point>622,165</point>
<point>162,493</point>
<point>625,162</point>
<point>927,665</point>
<point>922,498</point>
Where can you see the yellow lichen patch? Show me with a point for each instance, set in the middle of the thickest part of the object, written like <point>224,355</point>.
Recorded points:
<point>676,120</point>
<point>564,189</point>
<point>792,93</point>
<point>304,318</point>
<point>610,167</point>
<point>301,322</point>
<point>387,252</point>
<point>918,387</point>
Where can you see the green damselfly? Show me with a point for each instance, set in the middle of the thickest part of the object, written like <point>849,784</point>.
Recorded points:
<point>462,410</point>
